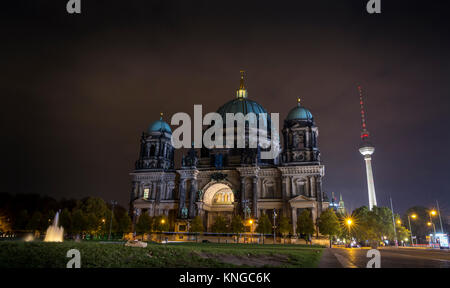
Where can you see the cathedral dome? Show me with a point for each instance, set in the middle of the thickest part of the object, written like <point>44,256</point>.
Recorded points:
<point>241,104</point>
<point>300,113</point>
<point>159,126</point>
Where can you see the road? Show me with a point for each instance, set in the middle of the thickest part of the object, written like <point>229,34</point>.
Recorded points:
<point>394,257</point>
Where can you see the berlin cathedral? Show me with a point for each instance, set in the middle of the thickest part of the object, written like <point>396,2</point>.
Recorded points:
<point>230,181</point>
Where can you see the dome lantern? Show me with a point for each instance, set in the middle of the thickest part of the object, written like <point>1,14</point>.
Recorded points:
<point>241,92</point>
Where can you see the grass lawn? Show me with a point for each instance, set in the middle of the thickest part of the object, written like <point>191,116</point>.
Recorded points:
<point>15,254</point>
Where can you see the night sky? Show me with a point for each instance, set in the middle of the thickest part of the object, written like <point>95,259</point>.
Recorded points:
<point>78,90</point>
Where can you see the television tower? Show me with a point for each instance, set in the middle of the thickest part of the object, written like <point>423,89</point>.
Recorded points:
<point>366,149</point>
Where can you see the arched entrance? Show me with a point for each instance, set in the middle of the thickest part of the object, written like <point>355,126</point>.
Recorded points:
<point>218,199</point>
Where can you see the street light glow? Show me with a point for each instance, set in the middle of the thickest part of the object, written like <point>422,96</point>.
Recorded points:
<point>414,216</point>
<point>163,221</point>
<point>349,221</point>
<point>433,212</point>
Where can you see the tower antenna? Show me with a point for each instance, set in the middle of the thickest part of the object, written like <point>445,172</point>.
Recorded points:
<point>364,131</point>
<point>367,149</point>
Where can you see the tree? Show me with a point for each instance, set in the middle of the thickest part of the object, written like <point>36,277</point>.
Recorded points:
<point>143,224</point>
<point>284,227</point>
<point>372,225</point>
<point>403,234</point>
<point>65,220</point>
<point>4,223</point>
<point>220,225</point>
<point>264,225</point>
<point>21,220</point>
<point>79,221</point>
<point>328,224</point>
<point>161,224</point>
<point>237,224</point>
<point>123,222</point>
<point>419,224</point>
<point>35,223</point>
<point>196,225</point>
<point>305,224</point>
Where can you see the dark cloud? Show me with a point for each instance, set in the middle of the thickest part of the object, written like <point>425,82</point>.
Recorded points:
<point>77,91</point>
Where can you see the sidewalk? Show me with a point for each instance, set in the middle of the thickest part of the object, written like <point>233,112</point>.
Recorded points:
<point>328,260</point>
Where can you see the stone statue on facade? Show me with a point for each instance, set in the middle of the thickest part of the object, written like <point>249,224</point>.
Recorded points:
<point>184,212</point>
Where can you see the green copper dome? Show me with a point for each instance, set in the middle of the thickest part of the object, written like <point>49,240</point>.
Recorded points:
<point>159,126</point>
<point>241,105</point>
<point>300,113</point>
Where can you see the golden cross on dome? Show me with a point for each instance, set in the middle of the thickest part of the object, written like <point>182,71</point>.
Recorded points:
<point>242,86</point>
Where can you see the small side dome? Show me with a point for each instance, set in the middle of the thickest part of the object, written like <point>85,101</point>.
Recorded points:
<point>300,113</point>
<point>159,126</point>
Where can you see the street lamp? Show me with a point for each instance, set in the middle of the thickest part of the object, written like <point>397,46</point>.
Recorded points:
<point>349,222</point>
<point>414,216</point>
<point>113,203</point>
<point>433,213</point>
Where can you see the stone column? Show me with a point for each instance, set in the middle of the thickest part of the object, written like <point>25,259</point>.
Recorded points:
<point>255,197</point>
<point>192,197</point>
<point>307,187</point>
<point>243,192</point>
<point>159,196</point>
<point>313,186</point>
<point>284,183</point>
<point>319,194</point>
<point>292,192</point>
<point>182,200</point>
<point>294,220</point>
<point>318,181</point>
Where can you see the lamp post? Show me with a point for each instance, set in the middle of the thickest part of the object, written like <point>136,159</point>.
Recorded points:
<point>433,213</point>
<point>440,219</point>
<point>414,216</point>
<point>160,235</point>
<point>393,222</point>
<point>113,203</point>
<point>349,223</point>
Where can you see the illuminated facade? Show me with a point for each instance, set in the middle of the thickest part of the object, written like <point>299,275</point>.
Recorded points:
<point>229,181</point>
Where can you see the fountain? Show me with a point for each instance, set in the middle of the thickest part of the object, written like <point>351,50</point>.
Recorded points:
<point>54,233</point>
